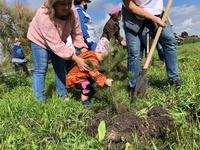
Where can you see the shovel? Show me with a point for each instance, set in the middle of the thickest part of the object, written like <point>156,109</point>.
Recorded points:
<point>142,81</point>
<point>147,46</point>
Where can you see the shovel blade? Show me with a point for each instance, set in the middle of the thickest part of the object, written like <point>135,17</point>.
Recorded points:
<point>140,86</point>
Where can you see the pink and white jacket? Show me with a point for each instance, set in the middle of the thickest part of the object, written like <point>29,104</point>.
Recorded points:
<point>51,33</point>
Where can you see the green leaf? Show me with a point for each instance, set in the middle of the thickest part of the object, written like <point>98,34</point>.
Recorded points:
<point>101,130</point>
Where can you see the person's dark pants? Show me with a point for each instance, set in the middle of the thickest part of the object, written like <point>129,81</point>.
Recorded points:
<point>86,88</point>
<point>23,66</point>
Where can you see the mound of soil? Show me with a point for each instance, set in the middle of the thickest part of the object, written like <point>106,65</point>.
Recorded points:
<point>152,126</point>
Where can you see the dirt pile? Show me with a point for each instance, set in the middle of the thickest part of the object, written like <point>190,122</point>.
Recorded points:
<point>152,126</point>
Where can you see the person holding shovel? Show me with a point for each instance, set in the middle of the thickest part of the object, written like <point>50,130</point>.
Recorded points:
<point>136,15</point>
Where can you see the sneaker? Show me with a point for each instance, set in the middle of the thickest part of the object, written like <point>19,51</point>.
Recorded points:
<point>131,93</point>
<point>86,104</point>
<point>176,82</point>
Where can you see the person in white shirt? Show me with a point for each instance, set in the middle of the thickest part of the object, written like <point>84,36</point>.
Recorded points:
<point>138,14</point>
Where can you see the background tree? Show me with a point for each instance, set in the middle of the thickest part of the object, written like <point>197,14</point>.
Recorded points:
<point>14,23</point>
<point>184,34</point>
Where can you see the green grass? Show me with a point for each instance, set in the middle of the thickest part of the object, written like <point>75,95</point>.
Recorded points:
<point>26,124</point>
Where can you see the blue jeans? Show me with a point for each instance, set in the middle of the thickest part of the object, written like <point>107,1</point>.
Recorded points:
<point>40,60</point>
<point>158,46</point>
<point>161,53</point>
<point>168,42</point>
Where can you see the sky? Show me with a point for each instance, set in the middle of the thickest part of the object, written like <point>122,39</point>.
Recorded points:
<point>183,13</point>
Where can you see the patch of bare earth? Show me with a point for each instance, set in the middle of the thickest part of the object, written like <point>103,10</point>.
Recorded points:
<point>153,127</point>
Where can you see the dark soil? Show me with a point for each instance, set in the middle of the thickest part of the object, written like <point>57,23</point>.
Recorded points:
<point>152,126</point>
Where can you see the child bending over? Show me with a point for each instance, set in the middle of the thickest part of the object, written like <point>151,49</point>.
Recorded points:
<point>83,79</point>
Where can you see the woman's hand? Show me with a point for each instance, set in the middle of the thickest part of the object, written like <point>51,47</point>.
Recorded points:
<point>80,62</point>
<point>84,50</point>
<point>123,42</point>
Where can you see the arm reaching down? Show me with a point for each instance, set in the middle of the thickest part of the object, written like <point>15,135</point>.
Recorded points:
<point>109,82</point>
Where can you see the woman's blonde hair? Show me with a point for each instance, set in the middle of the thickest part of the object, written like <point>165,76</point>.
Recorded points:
<point>49,4</point>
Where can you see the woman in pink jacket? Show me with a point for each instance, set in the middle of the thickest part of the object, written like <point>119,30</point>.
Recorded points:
<point>53,22</point>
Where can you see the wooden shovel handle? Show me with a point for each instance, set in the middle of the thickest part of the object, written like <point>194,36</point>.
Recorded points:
<point>170,21</point>
<point>148,41</point>
<point>157,35</point>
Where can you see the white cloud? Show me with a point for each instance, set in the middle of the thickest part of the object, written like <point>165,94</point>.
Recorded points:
<point>95,4</point>
<point>184,11</point>
<point>186,18</point>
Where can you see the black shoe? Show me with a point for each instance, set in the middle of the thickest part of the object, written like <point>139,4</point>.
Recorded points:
<point>176,82</point>
<point>131,93</point>
<point>86,104</point>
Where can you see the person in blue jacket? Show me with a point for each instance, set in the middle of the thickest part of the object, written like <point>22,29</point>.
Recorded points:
<point>18,58</point>
<point>86,23</point>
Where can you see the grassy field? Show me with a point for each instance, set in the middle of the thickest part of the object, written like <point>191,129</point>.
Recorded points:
<point>57,125</point>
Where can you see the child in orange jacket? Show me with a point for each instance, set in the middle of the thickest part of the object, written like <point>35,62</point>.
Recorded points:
<point>82,79</point>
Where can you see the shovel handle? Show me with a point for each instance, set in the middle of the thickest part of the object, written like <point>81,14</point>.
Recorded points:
<point>148,40</point>
<point>157,35</point>
<point>170,21</point>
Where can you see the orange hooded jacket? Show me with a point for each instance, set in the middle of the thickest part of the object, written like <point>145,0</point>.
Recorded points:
<point>75,76</point>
